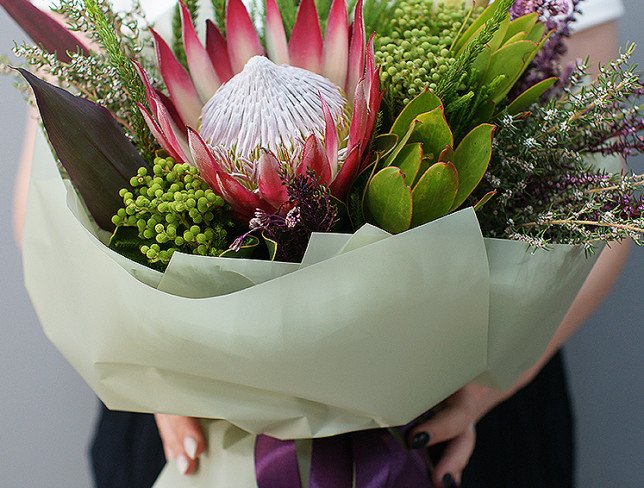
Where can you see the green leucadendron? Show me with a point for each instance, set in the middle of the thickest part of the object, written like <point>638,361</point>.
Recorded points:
<point>423,177</point>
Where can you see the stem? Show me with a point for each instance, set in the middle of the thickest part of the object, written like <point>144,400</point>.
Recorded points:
<point>616,187</point>
<point>592,105</point>
<point>585,222</point>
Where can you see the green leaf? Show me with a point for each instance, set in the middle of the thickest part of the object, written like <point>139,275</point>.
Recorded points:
<point>530,96</point>
<point>509,61</point>
<point>271,245</point>
<point>433,132</point>
<point>389,200</point>
<point>482,62</point>
<point>499,35</point>
<point>475,28</point>
<point>537,33</point>
<point>486,198</point>
<point>384,144</point>
<point>434,194</point>
<point>361,184</point>
<point>409,161</point>
<point>98,157</point>
<point>523,24</point>
<point>517,37</point>
<point>446,155</point>
<point>401,144</point>
<point>471,159</point>
<point>485,112</point>
<point>423,103</point>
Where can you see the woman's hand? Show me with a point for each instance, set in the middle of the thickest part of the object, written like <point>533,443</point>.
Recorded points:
<point>183,440</point>
<point>453,424</point>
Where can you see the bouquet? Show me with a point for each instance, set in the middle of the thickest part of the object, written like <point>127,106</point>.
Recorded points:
<point>271,226</point>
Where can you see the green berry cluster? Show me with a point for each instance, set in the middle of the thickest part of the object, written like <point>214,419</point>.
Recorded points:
<point>173,209</point>
<point>416,51</point>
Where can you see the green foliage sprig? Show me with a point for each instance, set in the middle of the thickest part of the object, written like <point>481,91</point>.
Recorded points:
<point>124,68</point>
<point>448,86</point>
<point>170,210</point>
<point>414,48</point>
<point>98,76</point>
<point>94,76</point>
<point>219,9</point>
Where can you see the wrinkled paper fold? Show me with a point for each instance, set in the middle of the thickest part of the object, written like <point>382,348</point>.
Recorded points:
<point>344,343</point>
<point>370,330</point>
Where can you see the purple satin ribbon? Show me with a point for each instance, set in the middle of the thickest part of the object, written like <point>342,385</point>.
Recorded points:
<point>379,459</point>
<point>332,463</point>
<point>276,463</point>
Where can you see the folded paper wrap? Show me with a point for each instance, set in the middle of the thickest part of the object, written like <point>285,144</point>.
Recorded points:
<point>370,330</point>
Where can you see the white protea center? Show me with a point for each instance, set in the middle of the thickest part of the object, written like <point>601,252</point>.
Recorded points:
<point>269,106</point>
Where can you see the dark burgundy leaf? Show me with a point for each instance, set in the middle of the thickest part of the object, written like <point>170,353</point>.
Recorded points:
<point>98,157</point>
<point>43,29</point>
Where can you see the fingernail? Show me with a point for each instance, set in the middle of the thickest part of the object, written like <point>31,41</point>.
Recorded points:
<point>448,481</point>
<point>182,464</point>
<point>190,446</point>
<point>421,439</point>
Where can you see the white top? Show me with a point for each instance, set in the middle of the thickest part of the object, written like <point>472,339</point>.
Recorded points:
<point>595,12</point>
<point>153,8</point>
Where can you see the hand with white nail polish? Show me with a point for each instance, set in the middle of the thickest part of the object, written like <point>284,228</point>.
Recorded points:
<point>183,441</point>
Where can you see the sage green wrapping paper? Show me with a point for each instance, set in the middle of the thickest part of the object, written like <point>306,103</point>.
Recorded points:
<point>371,332</point>
<point>530,292</point>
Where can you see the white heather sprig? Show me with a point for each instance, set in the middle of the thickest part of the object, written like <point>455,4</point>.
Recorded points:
<point>93,76</point>
<point>533,154</point>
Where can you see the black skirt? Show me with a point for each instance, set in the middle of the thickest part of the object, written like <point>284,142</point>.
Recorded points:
<point>126,451</point>
<point>526,442</point>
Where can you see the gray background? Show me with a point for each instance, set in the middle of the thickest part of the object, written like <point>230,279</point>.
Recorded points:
<point>47,412</point>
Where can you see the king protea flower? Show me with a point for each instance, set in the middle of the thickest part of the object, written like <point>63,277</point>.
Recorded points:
<point>245,116</point>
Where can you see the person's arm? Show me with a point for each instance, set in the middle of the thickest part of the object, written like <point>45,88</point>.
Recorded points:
<point>182,437</point>
<point>22,176</point>
<point>454,424</point>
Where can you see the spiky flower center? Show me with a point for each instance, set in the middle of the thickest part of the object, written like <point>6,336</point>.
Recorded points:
<point>271,107</point>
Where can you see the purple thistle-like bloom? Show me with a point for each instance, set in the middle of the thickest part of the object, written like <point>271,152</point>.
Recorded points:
<point>310,208</point>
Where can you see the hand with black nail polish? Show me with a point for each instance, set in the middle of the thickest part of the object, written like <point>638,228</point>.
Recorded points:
<point>448,481</point>
<point>451,428</point>
<point>421,439</point>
